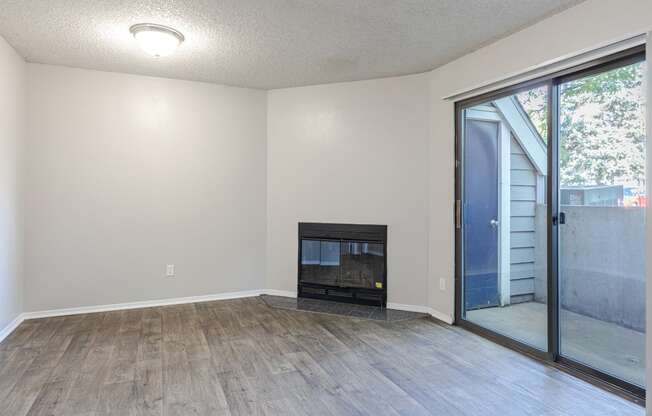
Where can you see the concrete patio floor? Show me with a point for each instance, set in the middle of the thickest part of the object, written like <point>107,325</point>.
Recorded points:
<point>611,348</point>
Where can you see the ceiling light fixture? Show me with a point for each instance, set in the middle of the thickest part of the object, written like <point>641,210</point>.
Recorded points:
<point>156,40</point>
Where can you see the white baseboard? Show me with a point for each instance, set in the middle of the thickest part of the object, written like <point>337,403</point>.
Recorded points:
<point>421,309</point>
<point>409,308</point>
<point>4,332</point>
<point>142,304</point>
<point>190,299</point>
<point>444,317</point>
<point>285,293</point>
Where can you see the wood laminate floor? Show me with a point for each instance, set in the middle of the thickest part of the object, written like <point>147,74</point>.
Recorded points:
<point>241,357</point>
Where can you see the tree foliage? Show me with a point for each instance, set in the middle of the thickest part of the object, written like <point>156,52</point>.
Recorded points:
<point>601,127</point>
<point>535,103</point>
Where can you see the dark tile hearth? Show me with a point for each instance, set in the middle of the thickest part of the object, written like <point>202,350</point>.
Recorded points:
<point>337,308</point>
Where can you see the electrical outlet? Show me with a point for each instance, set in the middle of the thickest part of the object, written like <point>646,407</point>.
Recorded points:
<point>442,284</point>
<point>169,270</point>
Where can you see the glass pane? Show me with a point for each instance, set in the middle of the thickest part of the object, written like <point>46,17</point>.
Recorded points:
<point>363,265</point>
<point>320,261</point>
<point>535,104</point>
<point>602,243</point>
<point>505,216</point>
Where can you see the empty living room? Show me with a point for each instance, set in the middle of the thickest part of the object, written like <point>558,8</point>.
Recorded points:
<point>325,207</point>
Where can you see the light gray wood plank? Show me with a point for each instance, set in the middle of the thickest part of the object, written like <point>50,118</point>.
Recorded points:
<point>515,148</point>
<point>241,357</point>
<point>518,224</point>
<point>522,271</point>
<point>523,193</point>
<point>523,177</point>
<point>522,287</point>
<point>520,162</point>
<point>522,255</point>
<point>522,209</point>
<point>522,239</point>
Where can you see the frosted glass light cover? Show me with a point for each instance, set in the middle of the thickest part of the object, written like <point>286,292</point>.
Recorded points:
<point>156,40</point>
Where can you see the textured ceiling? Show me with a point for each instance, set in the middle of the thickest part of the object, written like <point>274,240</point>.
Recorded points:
<point>267,43</point>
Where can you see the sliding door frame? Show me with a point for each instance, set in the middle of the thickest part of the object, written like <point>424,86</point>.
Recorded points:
<point>552,356</point>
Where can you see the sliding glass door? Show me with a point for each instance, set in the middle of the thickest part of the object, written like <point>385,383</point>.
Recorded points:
<point>505,214</point>
<point>601,234</point>
<point>550,218</point>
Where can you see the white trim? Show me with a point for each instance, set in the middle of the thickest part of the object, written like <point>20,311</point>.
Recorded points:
<point>552,66</point>
<point>474,113</point>
<point>408,308</point>
<point>524,132</point>
<point>444,317</point>
<point>142,304</point>
<point>422,309</point>
<point>504,214</point>
<point>541,189</point>
<point>4,333</point>
<point>285,293</point>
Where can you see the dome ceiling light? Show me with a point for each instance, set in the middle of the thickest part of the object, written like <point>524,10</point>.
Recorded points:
<point>156,40</point>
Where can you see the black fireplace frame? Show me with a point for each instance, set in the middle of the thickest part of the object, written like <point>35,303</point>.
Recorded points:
<point>365,233</point>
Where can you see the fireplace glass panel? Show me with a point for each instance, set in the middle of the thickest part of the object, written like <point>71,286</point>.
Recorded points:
<point>344,264</point>
<point>320,261</point>
<point>363,265</point>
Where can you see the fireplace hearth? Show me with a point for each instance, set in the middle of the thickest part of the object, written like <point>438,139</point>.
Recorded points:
<point>343,262</point>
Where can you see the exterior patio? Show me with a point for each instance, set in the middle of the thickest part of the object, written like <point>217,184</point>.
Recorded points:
<point>614,349</point>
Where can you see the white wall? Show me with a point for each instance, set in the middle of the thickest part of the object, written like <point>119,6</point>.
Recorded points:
<point>128,173</point>
<point>12,129</point>
<point>588,25</point>
<point>352,153</point>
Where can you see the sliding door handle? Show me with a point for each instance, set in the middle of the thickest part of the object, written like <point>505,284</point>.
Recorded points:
<point>559,219</point>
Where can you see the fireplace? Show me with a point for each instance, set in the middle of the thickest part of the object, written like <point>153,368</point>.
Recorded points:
<point>343,262</point>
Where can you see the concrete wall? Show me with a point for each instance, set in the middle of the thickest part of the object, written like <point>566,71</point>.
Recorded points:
<point>128,173</point>
<point>12,135</point>
<point>352,153</point>
<point>601,263</point>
